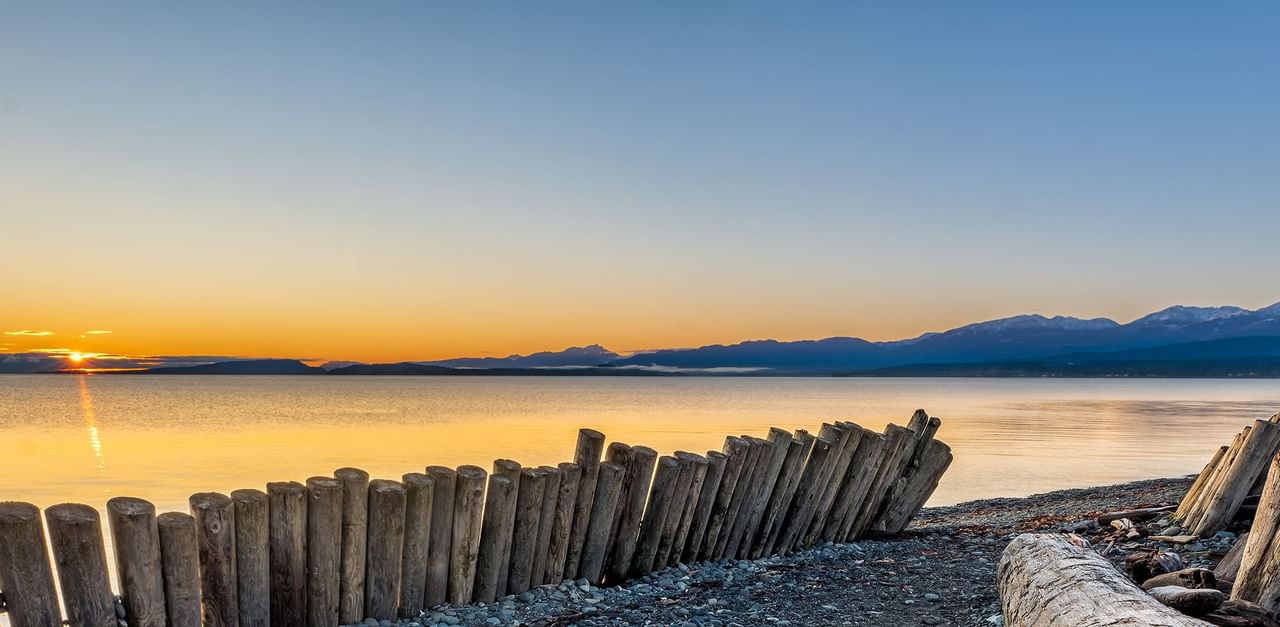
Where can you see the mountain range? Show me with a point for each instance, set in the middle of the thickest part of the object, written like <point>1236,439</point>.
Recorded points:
<point>1177,341</point>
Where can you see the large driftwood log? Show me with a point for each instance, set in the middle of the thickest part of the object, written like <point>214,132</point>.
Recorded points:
<point>1257,449</point>
<point>1046,581</point>
<point>1258,579</point>
<point>1193,493</point>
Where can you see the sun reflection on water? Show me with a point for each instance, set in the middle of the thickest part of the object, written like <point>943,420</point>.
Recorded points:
<point>91,422</point>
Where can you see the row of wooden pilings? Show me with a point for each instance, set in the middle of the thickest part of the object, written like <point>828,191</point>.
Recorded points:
<point>1234,474</point>
<point>339,549</point>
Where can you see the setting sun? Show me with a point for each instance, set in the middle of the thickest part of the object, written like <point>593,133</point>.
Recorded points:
<point>75,358</point>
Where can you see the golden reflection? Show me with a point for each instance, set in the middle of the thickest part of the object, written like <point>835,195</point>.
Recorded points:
<point>90,421</point>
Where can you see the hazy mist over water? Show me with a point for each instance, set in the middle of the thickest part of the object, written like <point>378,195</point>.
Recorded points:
<point>89,438</point>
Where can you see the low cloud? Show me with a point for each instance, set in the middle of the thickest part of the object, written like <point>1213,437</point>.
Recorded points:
<point>29,332</point>
<point>56,359</point>
<point>96,332</point>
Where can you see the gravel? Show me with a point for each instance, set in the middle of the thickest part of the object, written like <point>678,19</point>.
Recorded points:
<point>941,571</point>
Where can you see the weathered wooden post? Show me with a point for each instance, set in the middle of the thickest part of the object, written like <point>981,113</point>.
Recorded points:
<point>587,457</point>
<point>840,438</point>
<point>533,483</point>
<point>510,469</point>
<point>24,568</point>
<point>699,466</point>
<point>716,463</point>
<point>287,537</point>
<point>746,480</point>
<point>851,437</point>
<point>438,548</point>
<point>561,527</point>
<point>546,519</point>
<point>806,493</point>
<point>419,492</point>
<point>324,551</point>
<point>499,514</point>
<point>858,477</point>
<point>355,539</point>
<point>75,533</point>
<point>655,518</point>
<point>253,559</point>
<point>900,441</point>
<point>776,510</point>
<point>603,506</point>
<point>180,563</point>
<point>1193,493</point>
<point>736,449</point>
<point>468,508</point>
<point>1255,452</point>
<point>1214,483</point>
<point>679,496</point>
<point>136,540</point>
<point>771,467</point>
<point>638,461</point>
<point>386,546</point>
<point>918,487</point>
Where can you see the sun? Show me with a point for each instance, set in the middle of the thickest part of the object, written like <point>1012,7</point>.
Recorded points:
<point>76,357</point>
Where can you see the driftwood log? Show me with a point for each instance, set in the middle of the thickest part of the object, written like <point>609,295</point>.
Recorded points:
<point>1258,577</point>
<point>1187,578</point>
<point>1196,602</point>
<point>1046,581</point>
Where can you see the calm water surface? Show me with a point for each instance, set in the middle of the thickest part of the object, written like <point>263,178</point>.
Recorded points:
<point>88,438</point>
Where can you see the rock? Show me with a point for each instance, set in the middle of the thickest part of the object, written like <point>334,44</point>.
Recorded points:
<point>929,596</point>
<point>1188,601</point>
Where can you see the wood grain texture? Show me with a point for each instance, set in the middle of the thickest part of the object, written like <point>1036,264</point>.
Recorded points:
<point>24,568</point>
<point>604,505</point>
<point>625,533</point>
<point>215,522</point>
<point>75,533</point>
<point>355,542</point>
<point>546,520</point>
<point>324,551</point>
<point>136,540</point>
<point>561,527</point>
<point>587,457</point>
<point>655,517</point>
<point>524,534</point>
<point>180,562</point>
<point>419,495</point>
<point>387,505</point>
<point>699,465</point>
<point>442,498</point>
<point>468,510</point>
<point>495,537</point>
<point>253,557</point>
<point>716,462</point>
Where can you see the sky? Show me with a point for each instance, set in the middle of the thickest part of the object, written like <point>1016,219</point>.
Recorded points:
<point>425,180</point>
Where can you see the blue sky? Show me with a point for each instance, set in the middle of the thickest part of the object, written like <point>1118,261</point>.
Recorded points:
<point>467,178</point>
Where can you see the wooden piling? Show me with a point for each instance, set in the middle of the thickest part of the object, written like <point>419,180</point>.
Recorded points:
<point>777,509</point>
<point>355,539</point>
<point>180,566</point>
<point>546,520</point>
<point>639,462</point>
<point>587,457</point>
<point>528,512</point>
<point>1193,493</point>
<point>922,429</point>
<point>736,450</point>
<point>858,476</point>
<point>603,505</point>
<point>468,507</point>
<point>136,540</point>
<point>679,496</point>
<point>807,488</point>
<point>852,439</point>
<point>698,464</point>
<point>499,514</point>
<point>769,515</point>
<point>215,521</point>
<point>25,573</point>
<point>75,533</point>
<point>253,560</point>
<point>900,443</point>
<point>1255,453</point>
<point>561,527</point>
<point>287,537</point>
<point>324,551</point>
<point>919,486</point>
<point>419,492</point>
<point>438,548</point>
<point>386,545</point>
<point>770,467</point>
<point>1214,483</point>
<point>716,463</point>
<point>841,437</point>
<point>510,469</point>
<point>746,483</point>
<point>655,517</point>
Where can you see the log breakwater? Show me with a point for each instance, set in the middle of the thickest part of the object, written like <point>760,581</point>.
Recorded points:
<point>337,550</point>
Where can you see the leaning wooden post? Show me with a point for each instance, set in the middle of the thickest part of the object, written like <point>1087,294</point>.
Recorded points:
<point>136,540</point>
<point>287,537</point>
<point>561,527</point>
<point>841,438</point>
<point>215,519</point>
<point>386,545</point>
<point>324,551</point>
<point>900,442</point>
<point>1255,452</point>
<point>1257,579</point>
<point>180,563</point>
<point>587,457</point>
<point>24,569</point>
<point>699,466</point>
<point>771,467</point>
<point>679,497</point>
<point>468,508</point>
<point>919,486</point>
<point>858,477</point>
<point>1213,484</point>
<point>744,521</point>
<point>419,492</point>
<point>806,489</point>
<point>852,436</point>
<point>499,512</point>
<point>355,538</point>
<point>716,462</point>
<point>736,449</point>
<point>253,557</point>
<point>655,518</point>
<point>528,513</point>
<point>638,461</point>
<point>510,469</point>
<point>603,506</point>
<point>75,533</point>
<point>546,519</point>
<point>438,548</point>
<point>777,510</point>
<point>746,479</point>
